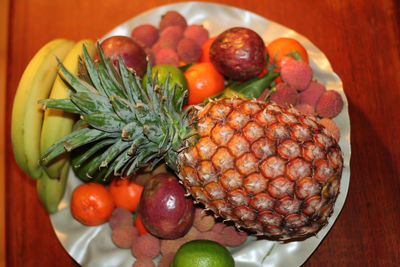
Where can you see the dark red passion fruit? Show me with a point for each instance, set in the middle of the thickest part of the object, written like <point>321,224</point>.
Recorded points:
<point>238,53</point>
<point>164,209</point>
<point>131,52</point>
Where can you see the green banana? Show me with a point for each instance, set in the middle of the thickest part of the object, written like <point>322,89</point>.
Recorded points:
<point>51,191</point>
<point>58,123</point>
<point>26,122</point>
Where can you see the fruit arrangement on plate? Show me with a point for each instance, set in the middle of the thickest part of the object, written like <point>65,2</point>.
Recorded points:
<point>182,139</point>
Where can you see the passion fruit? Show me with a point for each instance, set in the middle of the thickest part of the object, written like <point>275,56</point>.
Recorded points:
<point>164,209</point>
<point>238,53</point>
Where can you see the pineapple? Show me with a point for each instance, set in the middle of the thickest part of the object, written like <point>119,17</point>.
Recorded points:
<point>267,168</point>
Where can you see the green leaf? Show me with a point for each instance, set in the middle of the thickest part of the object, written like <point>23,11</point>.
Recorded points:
<point>124,109</point>
<point>249,89</point>
<point>149,81</point>
<point>114,74</point>
<point>165,144</point>
<point>131,131</point>
<point>91,68</point>
<point>77,84</point>
<point>82,71</point>
<point>185,67</point>
<point>114,150</point>
<point>63,104</point>
<point>143,114</point>
<point>137,91</point>
<point>144,92</point>
<point>91,151</point>
<point>79,124</point>
<point>101,161</point>
<point>72,141</point>
<point>108,74</point>
<point>107,64</point>
<point>94,165</point>
<point>153,133</point>
<point>88,137</point>
<point>111,88</point>
<point>296,55</point>
<point>137,161</point>
<point>126,76</point>
<point>108,122</point>
<point>119,163</point>
<point>255,86</point>
<point>181,100</point>
<point>90,102</point>
<point>152,93</point>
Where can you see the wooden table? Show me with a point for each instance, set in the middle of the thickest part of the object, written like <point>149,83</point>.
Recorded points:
<point>360,38</point>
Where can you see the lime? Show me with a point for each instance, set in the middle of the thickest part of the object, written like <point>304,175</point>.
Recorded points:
<point>202,253</point>
<point>175,77</point>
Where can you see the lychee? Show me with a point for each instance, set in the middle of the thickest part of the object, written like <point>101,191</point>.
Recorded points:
<point>312,93</point>
<point>166,260</point>
<point>332,127</point>
<point>297,74</point>
<point>232,237</point>
<point>120,216</point>
<point>145,34</point>
<point>329,104</point>
<point>197,33</point>
<point>144,262</point>
<point>284,95</point>
<point>123,236</point>
<point>167,56</point>
<point>172,18</point>
<point>170,37</point>
<point>192,234</point>
<point>171,245</point>
<point>188,50</point>
<point>218,227</point>
<point>305,109</point>
<point>146,245</point>
<point>202,221</point>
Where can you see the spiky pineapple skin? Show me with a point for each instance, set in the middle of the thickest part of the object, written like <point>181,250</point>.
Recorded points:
<point>267,168</point>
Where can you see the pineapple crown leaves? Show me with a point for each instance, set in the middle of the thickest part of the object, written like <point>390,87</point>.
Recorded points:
<point>136,126</point>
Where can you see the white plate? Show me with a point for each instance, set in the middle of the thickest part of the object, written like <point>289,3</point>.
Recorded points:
<point>92,246</point>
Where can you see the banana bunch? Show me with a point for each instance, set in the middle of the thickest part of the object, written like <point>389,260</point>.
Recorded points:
<point>33,129</point>
<point>26,121</point>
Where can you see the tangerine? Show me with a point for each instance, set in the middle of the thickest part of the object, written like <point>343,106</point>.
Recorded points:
<point>91,204</point>
<point>204,80</point>
<point>126,193</point>
<point>283,46</point>
<point>205,49</point>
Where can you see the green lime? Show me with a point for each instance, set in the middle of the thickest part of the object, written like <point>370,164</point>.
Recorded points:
<point>175,77</point>
<point>202,253</point>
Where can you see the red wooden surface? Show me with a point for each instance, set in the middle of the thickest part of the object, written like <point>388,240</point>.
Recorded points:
<point>362,41</point>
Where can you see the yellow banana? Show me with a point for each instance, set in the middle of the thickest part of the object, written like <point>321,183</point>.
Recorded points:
<point>57,123</point>
<point>26,122</point>
<point>51,191</point>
